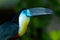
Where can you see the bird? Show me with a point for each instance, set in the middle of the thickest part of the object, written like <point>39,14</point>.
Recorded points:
<point>25,16</point>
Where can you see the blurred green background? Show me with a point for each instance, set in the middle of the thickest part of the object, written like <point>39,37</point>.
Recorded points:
<point>39,22</point>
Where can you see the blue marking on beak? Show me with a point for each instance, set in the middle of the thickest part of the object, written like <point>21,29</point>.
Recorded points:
<point>28,13</point>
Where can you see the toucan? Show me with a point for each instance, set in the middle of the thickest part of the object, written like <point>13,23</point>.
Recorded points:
<point>25,16</point>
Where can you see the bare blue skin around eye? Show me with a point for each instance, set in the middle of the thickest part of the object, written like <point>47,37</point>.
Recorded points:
<point>26,12</point>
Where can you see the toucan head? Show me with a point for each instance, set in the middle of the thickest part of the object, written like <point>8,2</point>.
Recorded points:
<point>25,15</point>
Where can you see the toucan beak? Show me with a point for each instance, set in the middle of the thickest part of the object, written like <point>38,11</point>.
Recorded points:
<point>25,15</point>
<point>39,11</point>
